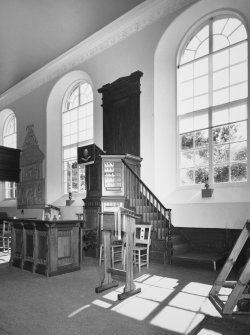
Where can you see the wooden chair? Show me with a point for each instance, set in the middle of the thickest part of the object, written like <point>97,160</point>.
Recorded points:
<point>142,241</point>
<point>117,253</point>
<point>5,236</point>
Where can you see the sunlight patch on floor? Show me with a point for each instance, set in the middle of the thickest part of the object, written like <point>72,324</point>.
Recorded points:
<point>194,303</point>
<point>177,320</point>
<point>78,311</point>
<point>197,288</point>
<point>154,293</point>
<point>208,332</point>
<point>142,278</point>
<point>4,257</point>
<point>101,303</point>
<point>167,306</point>
<point>136,307</point>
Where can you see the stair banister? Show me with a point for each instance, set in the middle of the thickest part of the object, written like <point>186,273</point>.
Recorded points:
<point>139,194</point>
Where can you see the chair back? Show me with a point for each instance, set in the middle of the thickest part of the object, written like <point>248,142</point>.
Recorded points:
<point>6,228</point>
<point>142,235</point>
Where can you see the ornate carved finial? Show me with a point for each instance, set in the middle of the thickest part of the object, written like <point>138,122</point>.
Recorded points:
<point>30,139</point>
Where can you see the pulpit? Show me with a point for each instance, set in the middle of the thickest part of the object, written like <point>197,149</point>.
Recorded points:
<point>46,247</point>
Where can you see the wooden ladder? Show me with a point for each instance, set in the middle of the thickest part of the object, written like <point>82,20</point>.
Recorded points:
<point>239,288</point>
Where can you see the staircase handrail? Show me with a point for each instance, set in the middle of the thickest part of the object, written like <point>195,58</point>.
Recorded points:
<point>144,185</point>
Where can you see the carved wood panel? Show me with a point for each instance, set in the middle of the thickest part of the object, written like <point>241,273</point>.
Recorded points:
<point>121,115</point>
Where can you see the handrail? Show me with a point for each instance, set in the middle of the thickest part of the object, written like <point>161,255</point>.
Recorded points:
<point>144,185</point>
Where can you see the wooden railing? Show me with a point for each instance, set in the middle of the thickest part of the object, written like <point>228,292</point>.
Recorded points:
<point>148,206</point>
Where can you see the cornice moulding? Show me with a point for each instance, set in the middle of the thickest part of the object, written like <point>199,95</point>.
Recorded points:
<point>128,24</point>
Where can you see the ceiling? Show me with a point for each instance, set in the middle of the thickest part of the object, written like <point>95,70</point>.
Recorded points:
<point>34,32</point>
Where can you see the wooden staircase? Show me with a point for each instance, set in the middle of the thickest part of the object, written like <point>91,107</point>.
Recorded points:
<point>151,211</point>
<point>168,244</point>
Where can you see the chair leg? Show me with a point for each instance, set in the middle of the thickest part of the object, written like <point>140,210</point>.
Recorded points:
<point>100,256</point>
<point>147,259</point>
<point>112,258</point>
<point>139,260</point>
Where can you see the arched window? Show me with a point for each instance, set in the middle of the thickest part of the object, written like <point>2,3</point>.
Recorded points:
<point>77,126</point>
<point>9,140</point>
<point>212,98</point>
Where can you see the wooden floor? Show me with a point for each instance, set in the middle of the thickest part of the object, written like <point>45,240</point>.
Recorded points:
<point>173,301</point>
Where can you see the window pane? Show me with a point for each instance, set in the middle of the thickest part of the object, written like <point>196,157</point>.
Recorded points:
<point>203,49</point>
<point>66,117</point>
<point>187,56</point>
<point>187,159</point>
<point>201,157</point>
<point>221,154</point>
<point>201,67</point>
<point>185,72</point>
<point>238,131</point>
<point>219,42</point>
<point>186,124</point>
<point>187,141</point>
<point>221,134</point>
<point>239,35</point>
<point>201,102</point>
<point>220,117</point>
<point>201,85</point>
<point>221,79</point>
<point>238,53</point>
<point>238,151</point>
<point>218,25</point>
<point>238,73</point>
<point>86,93</point>
<point>221,174</point>
<point>73,128</point>
<point>239,172</point>
<point>221,60</point>
<point>238,113</point>
<point>193,44</point>
<point>221,96</point>
<point>186,90</point>
<point>73,139</point>
<point>231,26</point>
<point>203,33</point>
<point>201,120</point>
<point>201,138</point>
<point>238,92</point>
<point>200,175</point>
<point>185,106</point>
<point>187,176</point>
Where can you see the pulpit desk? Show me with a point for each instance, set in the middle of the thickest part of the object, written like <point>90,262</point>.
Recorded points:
<point>46,247</point>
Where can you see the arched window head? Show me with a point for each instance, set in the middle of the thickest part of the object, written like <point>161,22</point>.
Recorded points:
<point>9,140</point>
<point>9,132</point>
<point>212,103</point>
<point>77,130</point>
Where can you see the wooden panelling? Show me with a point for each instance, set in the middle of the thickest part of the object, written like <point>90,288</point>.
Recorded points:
<point>214,240</point>
<point>121,115</point>
<point>46,247</point>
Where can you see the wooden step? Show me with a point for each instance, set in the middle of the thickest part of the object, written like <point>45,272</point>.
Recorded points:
<point>199,257</point>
